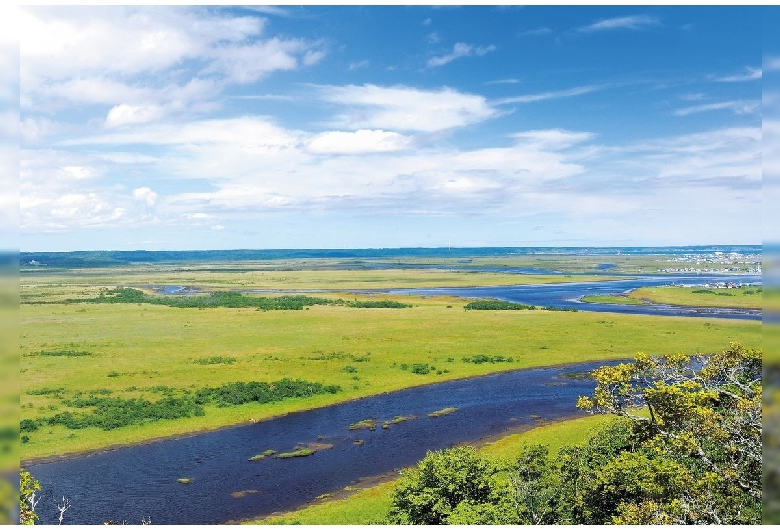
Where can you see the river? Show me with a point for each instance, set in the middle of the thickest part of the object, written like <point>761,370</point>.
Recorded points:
<point>142,481</point>
<point>569,295</point>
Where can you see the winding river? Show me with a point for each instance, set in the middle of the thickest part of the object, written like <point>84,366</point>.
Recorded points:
<point>142,481</point>
<point>569,295</point>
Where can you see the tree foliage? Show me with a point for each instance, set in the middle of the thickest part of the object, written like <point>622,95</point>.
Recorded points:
<point>28,491</point>
<point>454,486</point>
<point>684,448</point>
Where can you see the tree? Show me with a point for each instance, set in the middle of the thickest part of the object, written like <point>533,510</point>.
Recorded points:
<point>698,416</point>
<point>28,488</point>
<point>454,486</point>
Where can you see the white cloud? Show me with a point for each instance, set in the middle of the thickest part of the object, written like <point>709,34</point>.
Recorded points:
<point>132,114</point>
<point>536,32</point>
<point>77,173</point>
<point>178,58</point>
<point>460,50</point>
<point>360,64</point>
<point>628,22</point>
<point>738,107</point>
<point>751,74</point>
<point>771,63</point>
<point>360,141</point>
<point>556,94</point>
<point>145,195</point>
<point>34,130</point>
<point>198,216</point>
<point>248,63</point>
<point>510,81</point>
<point>406,109</point>
<point>552,138</point>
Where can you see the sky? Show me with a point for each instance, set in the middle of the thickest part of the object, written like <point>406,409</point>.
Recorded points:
<point>193,127</point>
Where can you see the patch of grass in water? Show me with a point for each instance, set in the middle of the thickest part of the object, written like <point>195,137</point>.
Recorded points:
<point>364,424</point>
<point>296,454</point>
<point>261,456</point>
<point>442,412</point>
<point>183,481</point>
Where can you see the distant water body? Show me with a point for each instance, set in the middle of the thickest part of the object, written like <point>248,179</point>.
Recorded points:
<point>108,258</point>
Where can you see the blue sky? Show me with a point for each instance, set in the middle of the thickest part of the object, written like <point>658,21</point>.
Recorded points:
<point>363,126</point>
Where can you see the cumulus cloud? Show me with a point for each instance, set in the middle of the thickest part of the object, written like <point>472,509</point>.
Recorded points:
<point>145,195</point>
<point>628,22</point>
<point>460,50</point>
<point>117,55</point>
<point>406,109</point>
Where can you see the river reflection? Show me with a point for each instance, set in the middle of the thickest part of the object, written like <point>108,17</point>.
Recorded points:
<point>141,481</point>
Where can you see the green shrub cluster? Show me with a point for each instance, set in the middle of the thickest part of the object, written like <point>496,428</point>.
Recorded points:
<point>480,359</point>
<point>389,304</point>
<point>64,353</point>
<point>422,369</point>
<point>215,360</point>
<point>496,305</point>
<point>110,413</point>
<point>128,295</point>
<point>261,392</point>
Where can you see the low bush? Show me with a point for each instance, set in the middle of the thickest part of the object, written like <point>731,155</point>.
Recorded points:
<point>496,305</point>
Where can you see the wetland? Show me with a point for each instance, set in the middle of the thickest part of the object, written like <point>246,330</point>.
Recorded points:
<point>378,330</point>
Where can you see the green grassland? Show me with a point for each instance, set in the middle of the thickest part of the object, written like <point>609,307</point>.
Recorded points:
<point>134,351</point>
<point>39,286</point>
<point>367,505</point>
<point>611,299</point>
<point>748,297</point>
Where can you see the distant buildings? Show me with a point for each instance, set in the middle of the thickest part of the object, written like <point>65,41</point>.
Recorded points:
<point>716,262</point>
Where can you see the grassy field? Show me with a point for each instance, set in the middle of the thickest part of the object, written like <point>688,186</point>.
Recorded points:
<point>39,285</point>
<point>749,297</point>
<point>611,299</point>
<point>140,350</point>
<point>368,505</point>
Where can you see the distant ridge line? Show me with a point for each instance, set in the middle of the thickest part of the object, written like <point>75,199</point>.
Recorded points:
<point>107,258</point>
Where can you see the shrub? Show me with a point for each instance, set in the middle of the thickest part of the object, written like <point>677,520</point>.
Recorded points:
<point>421,369</point>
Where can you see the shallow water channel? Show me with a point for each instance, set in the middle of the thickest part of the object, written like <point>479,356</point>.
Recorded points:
<point>141,481</point>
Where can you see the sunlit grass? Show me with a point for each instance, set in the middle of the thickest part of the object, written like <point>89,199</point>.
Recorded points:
<point>749,297</point>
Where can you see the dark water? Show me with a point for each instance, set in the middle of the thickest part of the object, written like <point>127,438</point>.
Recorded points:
<point>568,295</point>
<point>141,481</point>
